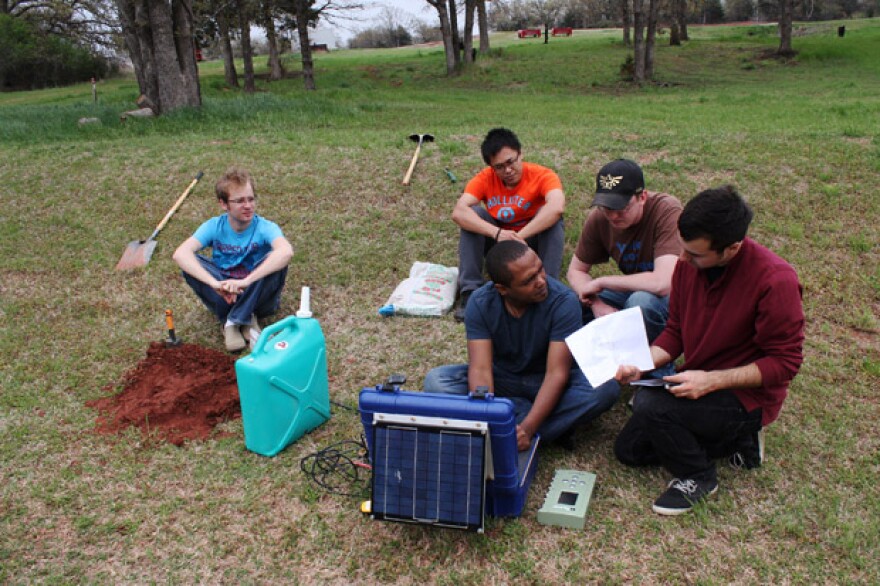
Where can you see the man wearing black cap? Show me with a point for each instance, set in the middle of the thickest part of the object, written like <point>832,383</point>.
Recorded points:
<point>636,228</point>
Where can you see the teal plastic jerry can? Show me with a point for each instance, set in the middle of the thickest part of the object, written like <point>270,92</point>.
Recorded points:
<point>282,385</point>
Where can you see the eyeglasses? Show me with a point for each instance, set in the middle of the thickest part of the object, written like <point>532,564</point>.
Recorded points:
<point>501,167</point>
<point>242,200</point>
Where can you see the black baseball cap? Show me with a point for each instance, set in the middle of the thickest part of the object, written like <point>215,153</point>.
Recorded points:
<point>617,182</point>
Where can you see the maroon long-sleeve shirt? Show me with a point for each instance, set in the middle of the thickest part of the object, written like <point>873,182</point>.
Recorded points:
<point>752,313</point>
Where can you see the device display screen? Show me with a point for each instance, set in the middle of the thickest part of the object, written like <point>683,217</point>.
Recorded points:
<point>568,498</point>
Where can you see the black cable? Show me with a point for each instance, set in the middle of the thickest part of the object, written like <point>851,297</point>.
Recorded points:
<point>337,468</point>
<point>343,406</point>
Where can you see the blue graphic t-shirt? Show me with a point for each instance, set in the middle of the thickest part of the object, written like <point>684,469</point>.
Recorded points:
<point>238,253</point>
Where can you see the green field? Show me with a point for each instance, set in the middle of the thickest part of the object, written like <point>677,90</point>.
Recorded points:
<point>798,138</point>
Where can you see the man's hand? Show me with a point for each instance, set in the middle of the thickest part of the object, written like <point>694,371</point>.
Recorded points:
<point>509,235</point>
<point>627,373</point>
<point>230,289</point>
<point>600,308</point>
<point>523,438</point>
<point>588,291</point>
<point>690,384</point>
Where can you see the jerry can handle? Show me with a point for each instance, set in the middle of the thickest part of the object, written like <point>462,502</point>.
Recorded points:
<point>270,331</point>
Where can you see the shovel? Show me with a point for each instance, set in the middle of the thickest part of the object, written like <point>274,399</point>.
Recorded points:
<point>419,138</point>
<point>138,252</point>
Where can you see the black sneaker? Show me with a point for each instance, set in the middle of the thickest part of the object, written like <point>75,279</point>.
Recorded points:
<point>682,495</point>
<point>462,305</point>
<point>750,456</point>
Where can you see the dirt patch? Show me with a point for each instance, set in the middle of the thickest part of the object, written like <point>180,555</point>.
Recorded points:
<point>175,394</point>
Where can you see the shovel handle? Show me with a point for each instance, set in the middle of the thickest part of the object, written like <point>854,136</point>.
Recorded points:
<point>176,205</point>
<point>412,165</point>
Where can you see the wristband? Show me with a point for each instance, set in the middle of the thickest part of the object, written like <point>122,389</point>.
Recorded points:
<point>497,234</point>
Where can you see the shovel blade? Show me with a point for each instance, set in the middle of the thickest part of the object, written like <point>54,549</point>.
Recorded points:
<point>136,255</point>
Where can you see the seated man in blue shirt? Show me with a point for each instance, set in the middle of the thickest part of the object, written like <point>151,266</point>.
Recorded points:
<point>516,327</point>
<point>243,279</point>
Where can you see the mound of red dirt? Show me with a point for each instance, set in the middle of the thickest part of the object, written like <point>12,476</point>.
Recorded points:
<point>175,394</point>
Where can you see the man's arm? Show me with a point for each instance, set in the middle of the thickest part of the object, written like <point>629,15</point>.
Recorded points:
<point>185,257</point>
<point>547,216</point>
<point>276,260</point>
<point>657,281</point>
<point>693,384</point>
<point>480,364</point>
<point>555,379</point>
<point>627,373</point>
<point>467,219</point>
<point>579,278</point>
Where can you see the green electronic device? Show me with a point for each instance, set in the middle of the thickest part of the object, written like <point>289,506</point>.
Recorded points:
<point>567,499</point>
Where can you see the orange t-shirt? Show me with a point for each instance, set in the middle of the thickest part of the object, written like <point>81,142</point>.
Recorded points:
<point>513,208</point>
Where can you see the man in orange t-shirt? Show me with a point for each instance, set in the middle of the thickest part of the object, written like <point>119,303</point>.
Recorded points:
<point>508,200</point>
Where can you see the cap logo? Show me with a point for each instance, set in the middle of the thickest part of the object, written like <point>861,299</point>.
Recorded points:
<point>609,182</point>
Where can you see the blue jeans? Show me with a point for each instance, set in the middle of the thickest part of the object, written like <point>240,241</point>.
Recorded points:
<point>655,310</point>
<point>579,403</point>
<point>261,299</point>
<point>472,248</point>
<point>684,435</point>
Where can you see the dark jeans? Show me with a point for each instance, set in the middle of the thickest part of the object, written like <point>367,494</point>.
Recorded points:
<point>654,309</point>
<point>579,403</point>
<point>472,248</point>
<point>261,299</point>
<point>685,435</point>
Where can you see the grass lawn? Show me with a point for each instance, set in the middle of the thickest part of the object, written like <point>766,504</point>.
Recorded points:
<point>798,138</point>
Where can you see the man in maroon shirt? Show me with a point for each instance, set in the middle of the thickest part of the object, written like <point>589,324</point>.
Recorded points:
<point>735,314</point>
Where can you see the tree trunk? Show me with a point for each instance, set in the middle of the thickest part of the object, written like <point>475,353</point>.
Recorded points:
<point>785,10</point>
<point>276,70</point>
<point>483,20</point>
<point>638,43</point>
<point>626,17</point>
<point>683,20</point>
<point>674,38</point>
<point>469,9</point>
<point>186,49</point>
<point>247,51</point>
<point>305,45</point>
<point>456,38</point>
<point>229,73</point>
<point>650,37</point>
<point>158,34</point>
<point>449,47</point>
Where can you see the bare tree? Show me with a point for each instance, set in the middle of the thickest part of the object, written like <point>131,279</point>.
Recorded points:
<point>785,16</point>
<point>229,73</point>
<point>483,20</point>
<point>638,41</point>
<point>470,7</point>
<point>650,37</point>
<point>626,17</point>
<point>449,47</point>
<point>247,50</point>
<point>276,69</point>
<point>159,37</point>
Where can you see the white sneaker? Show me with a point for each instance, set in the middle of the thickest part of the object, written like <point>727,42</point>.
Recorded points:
<point>251,332</point>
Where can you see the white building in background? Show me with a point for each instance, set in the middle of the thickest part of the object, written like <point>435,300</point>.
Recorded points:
<point>320,35</point>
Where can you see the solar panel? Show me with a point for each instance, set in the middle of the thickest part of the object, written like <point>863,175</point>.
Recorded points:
<point>430,470</point>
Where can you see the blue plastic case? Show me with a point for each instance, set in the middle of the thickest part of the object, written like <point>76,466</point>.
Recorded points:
<point>506,491</point>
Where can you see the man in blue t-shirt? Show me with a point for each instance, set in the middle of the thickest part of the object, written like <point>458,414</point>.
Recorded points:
<point>243,279</point>
<point>516,328</point>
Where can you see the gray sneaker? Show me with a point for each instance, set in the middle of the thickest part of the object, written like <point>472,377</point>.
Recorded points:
<point>232,337</point>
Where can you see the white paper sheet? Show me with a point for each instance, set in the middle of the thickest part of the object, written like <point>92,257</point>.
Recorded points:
<point>605,343</point>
